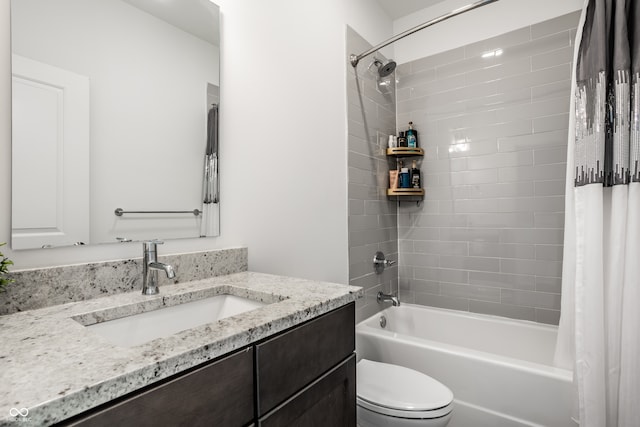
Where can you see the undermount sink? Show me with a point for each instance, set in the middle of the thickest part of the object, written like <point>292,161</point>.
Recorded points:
<point>141,328</point>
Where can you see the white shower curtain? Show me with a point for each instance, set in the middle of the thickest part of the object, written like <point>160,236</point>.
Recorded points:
<point>599,333</point>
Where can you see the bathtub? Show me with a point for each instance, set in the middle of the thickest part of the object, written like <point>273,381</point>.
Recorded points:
<point>499,370</point>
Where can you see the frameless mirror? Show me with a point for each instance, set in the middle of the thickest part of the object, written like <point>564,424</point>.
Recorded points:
<point>110,105</point>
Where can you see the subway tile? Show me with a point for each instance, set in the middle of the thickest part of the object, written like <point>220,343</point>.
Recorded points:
<point>531,267</point>
<point>549,219</point>
<point>433,61</point>
<point>416,79</point>
<point>380,207</point>
<point>502,280</point>
<point>502,41</point>
<point>500,160</point>
<point>531,204</point>
<point>437,220</point>
<point>536,78</point>
<point>538,108</point>
<point>550,188</point>
<point>431,87</point>
<point>550,156</point>
<point>441,248</point>
<point>423,286</point>
<point>499,71</point>
<point>363,222</point>
<point>441,275</point>
<point>465,121</point>
<point>530,299</point>
<point>549,252</point>
<point>533,141</point>
<point>475,206</point>
<point>474,292</point>
<point>388,221</point>
<point>559,89</point>
<point>551,26</point>
<point>495,220</point>
<point>415,233</point>
<point>470,235</point>
<point>407,246</point>
<point>420,260</point>
<point>502,309</point>
<point>356,207</point>
<point>499,100</point>
<point>553,58</point>
<point>532,173</point>
<point>502,250</point>
<point>470,263</point>
<point>552,123</point>
<point>484,176</point>
<point>551,317</point>
<point>549,284</point>
<point>441,301</point>
<point>486,191</point>
<point>543,236</point>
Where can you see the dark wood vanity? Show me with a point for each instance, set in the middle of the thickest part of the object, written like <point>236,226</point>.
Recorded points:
<point>304,376</point>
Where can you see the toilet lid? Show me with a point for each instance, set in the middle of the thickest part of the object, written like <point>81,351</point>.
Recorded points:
<point>397,387</point>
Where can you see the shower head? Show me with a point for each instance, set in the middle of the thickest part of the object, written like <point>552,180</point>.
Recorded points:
<point>384,69</point>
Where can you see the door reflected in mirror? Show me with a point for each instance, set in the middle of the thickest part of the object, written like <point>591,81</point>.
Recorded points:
<point>110,103</point>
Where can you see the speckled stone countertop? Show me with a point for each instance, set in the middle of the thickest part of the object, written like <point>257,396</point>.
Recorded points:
<point>54,367</point>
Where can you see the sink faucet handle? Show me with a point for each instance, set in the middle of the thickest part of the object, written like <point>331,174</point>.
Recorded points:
<point>151,244</point>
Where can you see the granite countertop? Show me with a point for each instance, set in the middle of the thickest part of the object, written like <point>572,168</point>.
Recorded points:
<point>55,367</point>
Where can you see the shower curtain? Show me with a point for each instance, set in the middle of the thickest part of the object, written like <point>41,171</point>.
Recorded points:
<point>599,332</point>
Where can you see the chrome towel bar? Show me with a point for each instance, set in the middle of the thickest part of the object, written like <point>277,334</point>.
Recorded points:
<point>120,212</point>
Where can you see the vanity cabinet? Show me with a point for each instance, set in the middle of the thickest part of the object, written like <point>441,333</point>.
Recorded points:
<point>216,394</point>
<point>304,376</point>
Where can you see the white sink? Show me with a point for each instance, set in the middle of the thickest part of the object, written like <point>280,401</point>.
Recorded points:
<point>140,328</point>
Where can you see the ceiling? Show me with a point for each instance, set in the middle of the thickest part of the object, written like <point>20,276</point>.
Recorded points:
<point>197,17</point>
<point>399,8</point>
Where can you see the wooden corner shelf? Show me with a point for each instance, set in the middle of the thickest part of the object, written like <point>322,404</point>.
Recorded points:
<point>405,192</point>
<point>405,152</point>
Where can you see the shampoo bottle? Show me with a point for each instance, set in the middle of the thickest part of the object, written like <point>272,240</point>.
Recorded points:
<point>402,140</point>
<point>412,137</point>
<point>416,182</point>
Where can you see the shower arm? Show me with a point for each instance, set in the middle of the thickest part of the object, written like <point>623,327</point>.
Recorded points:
<point>356,58</point>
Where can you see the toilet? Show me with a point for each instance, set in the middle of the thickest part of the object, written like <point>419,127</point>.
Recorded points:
<point>395,396</point>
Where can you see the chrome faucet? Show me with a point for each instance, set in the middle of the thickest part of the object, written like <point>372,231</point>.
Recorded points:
<point>150,267</point>
<point>388,297</point>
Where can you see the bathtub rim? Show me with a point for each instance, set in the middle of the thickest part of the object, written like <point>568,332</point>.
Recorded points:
<point>369,327</point>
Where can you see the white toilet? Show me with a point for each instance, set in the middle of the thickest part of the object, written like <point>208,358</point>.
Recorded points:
<point>395,396</point>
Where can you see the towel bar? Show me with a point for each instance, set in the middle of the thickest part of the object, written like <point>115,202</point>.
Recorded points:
<point>120,212</point>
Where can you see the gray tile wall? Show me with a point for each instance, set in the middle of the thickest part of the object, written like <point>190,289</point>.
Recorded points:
<point>493,118</point>
<point>373,220</point>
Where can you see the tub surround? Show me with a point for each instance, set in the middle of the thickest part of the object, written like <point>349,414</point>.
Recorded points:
<point>56,368</point>
<point>44,287</point>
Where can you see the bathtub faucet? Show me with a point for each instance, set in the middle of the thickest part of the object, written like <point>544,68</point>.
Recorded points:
<point>388,297</point>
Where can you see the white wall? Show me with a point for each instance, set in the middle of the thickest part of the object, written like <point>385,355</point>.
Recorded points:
<point>283,138</point>
<point>488,21</point>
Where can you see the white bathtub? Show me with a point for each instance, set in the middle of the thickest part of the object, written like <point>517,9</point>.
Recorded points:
<point>499,370</point>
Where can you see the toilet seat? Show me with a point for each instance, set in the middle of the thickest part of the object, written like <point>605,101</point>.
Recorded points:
<point>400,392</point>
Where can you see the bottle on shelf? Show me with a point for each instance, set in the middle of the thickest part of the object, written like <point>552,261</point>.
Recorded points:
<point>416,181</point>
<point>402,140</point>
<point>404,178</point>
<point>412,137</point>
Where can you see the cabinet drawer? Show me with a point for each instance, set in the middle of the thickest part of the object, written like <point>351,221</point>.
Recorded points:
<point>220,394</point>
<point>290,361</point>
<point>329,401</point>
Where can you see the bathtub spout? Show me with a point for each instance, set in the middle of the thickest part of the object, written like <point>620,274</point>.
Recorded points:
<point>387,297</point>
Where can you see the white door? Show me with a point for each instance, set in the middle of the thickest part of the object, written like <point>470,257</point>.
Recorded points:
<point>50,156</point>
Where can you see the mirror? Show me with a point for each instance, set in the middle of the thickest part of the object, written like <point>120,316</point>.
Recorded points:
<point>110,103</point>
